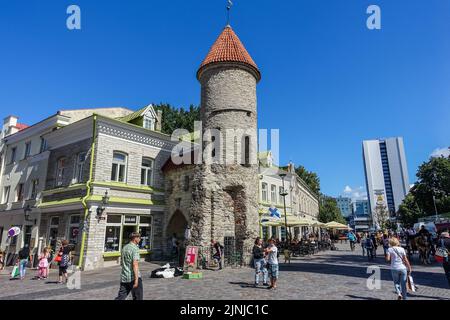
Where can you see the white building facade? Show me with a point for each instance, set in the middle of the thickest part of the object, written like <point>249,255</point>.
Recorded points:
<point>301,202</point>
<point>386,173</point>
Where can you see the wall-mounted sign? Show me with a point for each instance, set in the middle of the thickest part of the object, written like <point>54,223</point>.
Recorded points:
<point>14,231</point>
<point>130,219</point>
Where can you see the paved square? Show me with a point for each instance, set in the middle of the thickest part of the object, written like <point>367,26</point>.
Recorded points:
<point>332,275</point>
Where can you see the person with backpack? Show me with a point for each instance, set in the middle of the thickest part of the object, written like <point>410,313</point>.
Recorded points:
<point>63,259</point>
<point>363,244</point>
<point>369,245</point>
<point>259,262</point>
<point>218,254</point>
<point>375,245</point>
<point>24,258</point>
<point>400,267</point>
<point>444,251</point>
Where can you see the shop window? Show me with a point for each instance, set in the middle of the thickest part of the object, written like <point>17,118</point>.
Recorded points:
<point>274,232</point>
<point>112,238</point>
<point>265,232</point>
<point>283,233</point>
<point>74,229</point>
<point>145,229</point>
<point>119,228</point>
<point>27,235</point>
<point>53,232</point>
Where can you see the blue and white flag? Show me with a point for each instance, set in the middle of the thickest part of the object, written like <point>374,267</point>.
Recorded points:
<point>274,212</point>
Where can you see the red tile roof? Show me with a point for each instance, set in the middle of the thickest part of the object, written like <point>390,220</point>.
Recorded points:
<point>21,126</point>
<point>228,48</point>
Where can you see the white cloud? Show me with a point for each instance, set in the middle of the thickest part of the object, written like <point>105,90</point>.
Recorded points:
<point>347,189</point>
<point>440,152</point>
<point>356,193</point>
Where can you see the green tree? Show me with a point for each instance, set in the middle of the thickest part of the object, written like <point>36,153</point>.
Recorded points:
<point>310,178</point>
<point>177,118</point>
<point>381,216</point>
<point>433,179</point>
<point>409,211</point>
<point>329,210</point>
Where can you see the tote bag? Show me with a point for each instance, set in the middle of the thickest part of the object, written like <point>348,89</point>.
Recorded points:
<point>15,272</point>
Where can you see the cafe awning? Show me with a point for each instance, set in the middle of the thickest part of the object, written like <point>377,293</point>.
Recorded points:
<point>336,226</point>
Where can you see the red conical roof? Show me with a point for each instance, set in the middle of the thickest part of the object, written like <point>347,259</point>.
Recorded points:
<point>228,48</point>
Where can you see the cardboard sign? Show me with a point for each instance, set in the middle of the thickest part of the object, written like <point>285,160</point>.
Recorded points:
<point>190,259</point>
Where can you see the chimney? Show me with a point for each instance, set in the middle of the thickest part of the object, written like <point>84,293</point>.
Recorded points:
<point>291,167</point>
<point>158,120</point>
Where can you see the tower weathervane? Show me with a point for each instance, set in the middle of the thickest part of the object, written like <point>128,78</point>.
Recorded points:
<point>230,4</point>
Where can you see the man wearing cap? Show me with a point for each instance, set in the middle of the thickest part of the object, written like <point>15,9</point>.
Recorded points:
<point>445,240</point>
<point>130,278</point>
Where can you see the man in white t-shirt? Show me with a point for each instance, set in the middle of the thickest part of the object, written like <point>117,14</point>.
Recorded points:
<point>400,267</point>
<point>272,263</point>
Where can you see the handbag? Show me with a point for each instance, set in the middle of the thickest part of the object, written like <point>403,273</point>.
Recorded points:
<point>15,272</point>
<point>58,258</point>
<point>441,254</point>
<point>411,286</point>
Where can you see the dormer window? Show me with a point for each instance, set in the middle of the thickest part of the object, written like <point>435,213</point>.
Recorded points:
<point>149,123</point>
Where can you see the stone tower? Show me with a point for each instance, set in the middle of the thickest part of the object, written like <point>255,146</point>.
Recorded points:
<point>225,192</point>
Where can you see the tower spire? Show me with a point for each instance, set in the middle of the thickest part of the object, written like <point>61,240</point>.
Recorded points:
<point>230,4</point>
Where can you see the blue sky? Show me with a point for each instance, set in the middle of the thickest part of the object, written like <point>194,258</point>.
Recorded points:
<point>328,82</point>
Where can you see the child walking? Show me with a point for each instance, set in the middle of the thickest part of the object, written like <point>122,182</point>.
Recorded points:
<point>43,264</point>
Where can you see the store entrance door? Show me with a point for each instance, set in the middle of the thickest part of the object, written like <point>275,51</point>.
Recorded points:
<point>126,231</point>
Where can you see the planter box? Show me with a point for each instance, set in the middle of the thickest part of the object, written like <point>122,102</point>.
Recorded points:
<point>193,275</point>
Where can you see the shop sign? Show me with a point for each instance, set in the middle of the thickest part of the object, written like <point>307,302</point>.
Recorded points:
<point>190,259</point>
<point>130,219</point>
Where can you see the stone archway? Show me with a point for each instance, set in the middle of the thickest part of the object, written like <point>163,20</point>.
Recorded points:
<point>177,224</point>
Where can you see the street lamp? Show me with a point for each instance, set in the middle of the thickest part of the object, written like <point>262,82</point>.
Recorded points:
<point>284,194</point>
<point>434,197</point>
<point>26,212</point>
<point>102,207</point>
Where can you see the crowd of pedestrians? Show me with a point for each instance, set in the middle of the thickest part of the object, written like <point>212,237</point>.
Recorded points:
<point>45,260</point>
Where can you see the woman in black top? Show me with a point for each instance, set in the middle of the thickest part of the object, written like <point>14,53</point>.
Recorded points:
<point>259,261</point>
<point>64,253</point>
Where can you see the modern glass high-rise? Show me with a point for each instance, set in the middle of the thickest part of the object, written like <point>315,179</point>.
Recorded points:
<point>345,206</point>
<point>386,173</point>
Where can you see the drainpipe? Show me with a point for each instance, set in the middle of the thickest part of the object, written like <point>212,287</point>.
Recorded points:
<point>88,191</point>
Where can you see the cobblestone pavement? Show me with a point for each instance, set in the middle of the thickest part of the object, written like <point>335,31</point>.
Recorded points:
<point>332,275</point>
